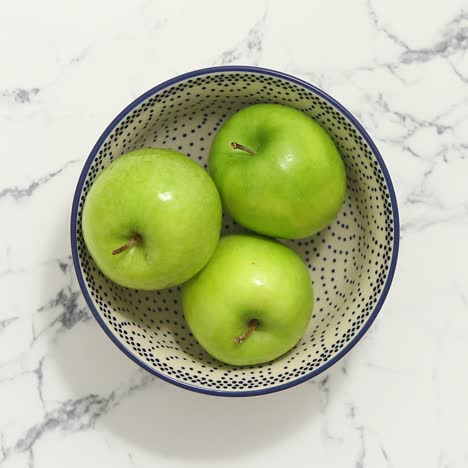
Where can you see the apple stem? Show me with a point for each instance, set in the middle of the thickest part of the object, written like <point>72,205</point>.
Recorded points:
<point>253,324</point>
<point>133,241</point>
<point>242,147</point>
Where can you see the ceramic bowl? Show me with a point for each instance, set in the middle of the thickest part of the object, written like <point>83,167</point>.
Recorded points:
<point>351,262</point>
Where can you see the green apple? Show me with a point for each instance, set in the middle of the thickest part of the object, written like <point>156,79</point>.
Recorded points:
<point>277,171</point>
<point>152,219</point>
<point>251,303</point>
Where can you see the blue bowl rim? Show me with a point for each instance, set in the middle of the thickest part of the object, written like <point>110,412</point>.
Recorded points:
<point>260,71</point>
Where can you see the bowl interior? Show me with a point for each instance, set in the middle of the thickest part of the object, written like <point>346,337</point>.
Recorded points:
<point>349,262</point>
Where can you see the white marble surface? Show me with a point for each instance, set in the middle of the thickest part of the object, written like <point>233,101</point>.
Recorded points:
<point>68,398</point>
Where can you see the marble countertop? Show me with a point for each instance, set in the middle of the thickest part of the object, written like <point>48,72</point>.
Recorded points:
<point>68,398</point>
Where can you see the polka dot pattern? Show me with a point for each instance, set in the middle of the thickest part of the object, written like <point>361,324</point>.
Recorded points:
<point>349,261</point>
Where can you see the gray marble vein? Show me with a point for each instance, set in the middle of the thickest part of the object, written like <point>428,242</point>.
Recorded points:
<point>385,454</point>
<point>409,122</point>
<point>17,193</point>
<point>40,377</point>
<point>31,458</point>
<point>21,95</point>
<point>454,39</point>
<point>359,428</point>
<point>65,264</point>
<point>458,73</point>
<point>68,301</point>
<point>80,56</point>
<point>420,194</point>
<point>325,390</point>
<point>7,322</point>
<point>362,449</point>
<point>250,48</point>
<point>72,313</point>
<point>73,415</point>
<point>12,271</point>
<point>2,447</point>
<point>419,225</point>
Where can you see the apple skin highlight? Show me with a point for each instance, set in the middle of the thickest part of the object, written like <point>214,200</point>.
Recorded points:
<point>152,219</point>
<point>249,278</point>
<point>278,172</point>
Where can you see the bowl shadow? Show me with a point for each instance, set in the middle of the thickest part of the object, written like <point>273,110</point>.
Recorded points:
<point>158,417</point>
